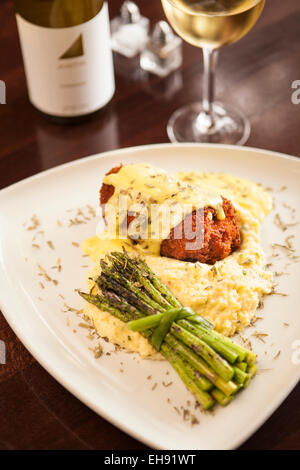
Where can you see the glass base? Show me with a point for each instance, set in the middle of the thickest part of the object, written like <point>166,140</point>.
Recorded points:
<point>191,124</point>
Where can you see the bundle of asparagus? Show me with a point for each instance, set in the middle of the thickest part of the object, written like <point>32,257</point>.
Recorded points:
<point>213,367</point>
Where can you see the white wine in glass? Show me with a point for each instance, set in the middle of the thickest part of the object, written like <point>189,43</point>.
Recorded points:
<point>210,24</point>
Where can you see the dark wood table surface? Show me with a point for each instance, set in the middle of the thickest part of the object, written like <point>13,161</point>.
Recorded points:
<point>256,75</point>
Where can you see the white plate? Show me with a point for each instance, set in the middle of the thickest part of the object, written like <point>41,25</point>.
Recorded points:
<point>126,398</point>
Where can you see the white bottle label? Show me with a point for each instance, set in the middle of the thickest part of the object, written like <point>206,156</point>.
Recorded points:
<point>69,71</point>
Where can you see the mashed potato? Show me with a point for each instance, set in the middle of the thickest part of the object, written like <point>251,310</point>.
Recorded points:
<point>227,293</point>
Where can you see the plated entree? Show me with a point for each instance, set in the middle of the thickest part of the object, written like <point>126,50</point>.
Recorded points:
<point>178,266</point>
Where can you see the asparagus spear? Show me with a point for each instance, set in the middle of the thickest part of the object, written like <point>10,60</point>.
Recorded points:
<point>140,264</point>
<point>101,303</point>
<point>242,365</point>
<point>134,294</point>
<point>141,267</point>
<point>204,398</point>
<point>250,374</point>
<point>239,376</point>
<point>129,286</point>
<point>217,363</point>
<point>204,334</point>
<point>222,399</point>
<point>202,382</point>
<point>227,387</point>
<point>157,283</point>
<point>145,282</point>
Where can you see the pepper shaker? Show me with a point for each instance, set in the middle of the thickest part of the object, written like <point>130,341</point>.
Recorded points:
<point>163,52</point>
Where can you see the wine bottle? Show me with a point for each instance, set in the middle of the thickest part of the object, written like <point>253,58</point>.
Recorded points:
<point>67,56</point>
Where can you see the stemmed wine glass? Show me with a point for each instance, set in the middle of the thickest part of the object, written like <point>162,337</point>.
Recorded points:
<point>210,24</point>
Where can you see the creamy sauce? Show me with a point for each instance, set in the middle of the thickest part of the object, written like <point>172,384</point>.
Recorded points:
<point>227,293</point>
<point>158,201</point>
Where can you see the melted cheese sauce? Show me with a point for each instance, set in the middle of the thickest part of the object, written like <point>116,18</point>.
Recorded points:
<point>227,293</point>
<point>159,202</point>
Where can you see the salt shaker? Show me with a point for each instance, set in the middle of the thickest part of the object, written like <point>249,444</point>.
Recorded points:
<point>129,30</point>
<point>163,52</point>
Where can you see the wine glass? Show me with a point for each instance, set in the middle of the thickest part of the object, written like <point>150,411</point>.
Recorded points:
<point>210,24</point>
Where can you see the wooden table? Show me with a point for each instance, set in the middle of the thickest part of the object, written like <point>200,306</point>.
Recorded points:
<point>256,75</point>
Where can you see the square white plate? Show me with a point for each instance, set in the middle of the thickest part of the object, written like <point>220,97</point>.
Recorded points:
<point>116,386</point>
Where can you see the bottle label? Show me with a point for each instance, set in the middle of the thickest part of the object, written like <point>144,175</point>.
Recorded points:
<point>69,71</point>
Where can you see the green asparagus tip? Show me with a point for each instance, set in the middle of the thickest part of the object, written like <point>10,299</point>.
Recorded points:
<point>239,376</point>
<point>222,399</point>
<point>251,358</point>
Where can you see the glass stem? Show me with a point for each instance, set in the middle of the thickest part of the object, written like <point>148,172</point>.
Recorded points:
<point>210,57</point>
